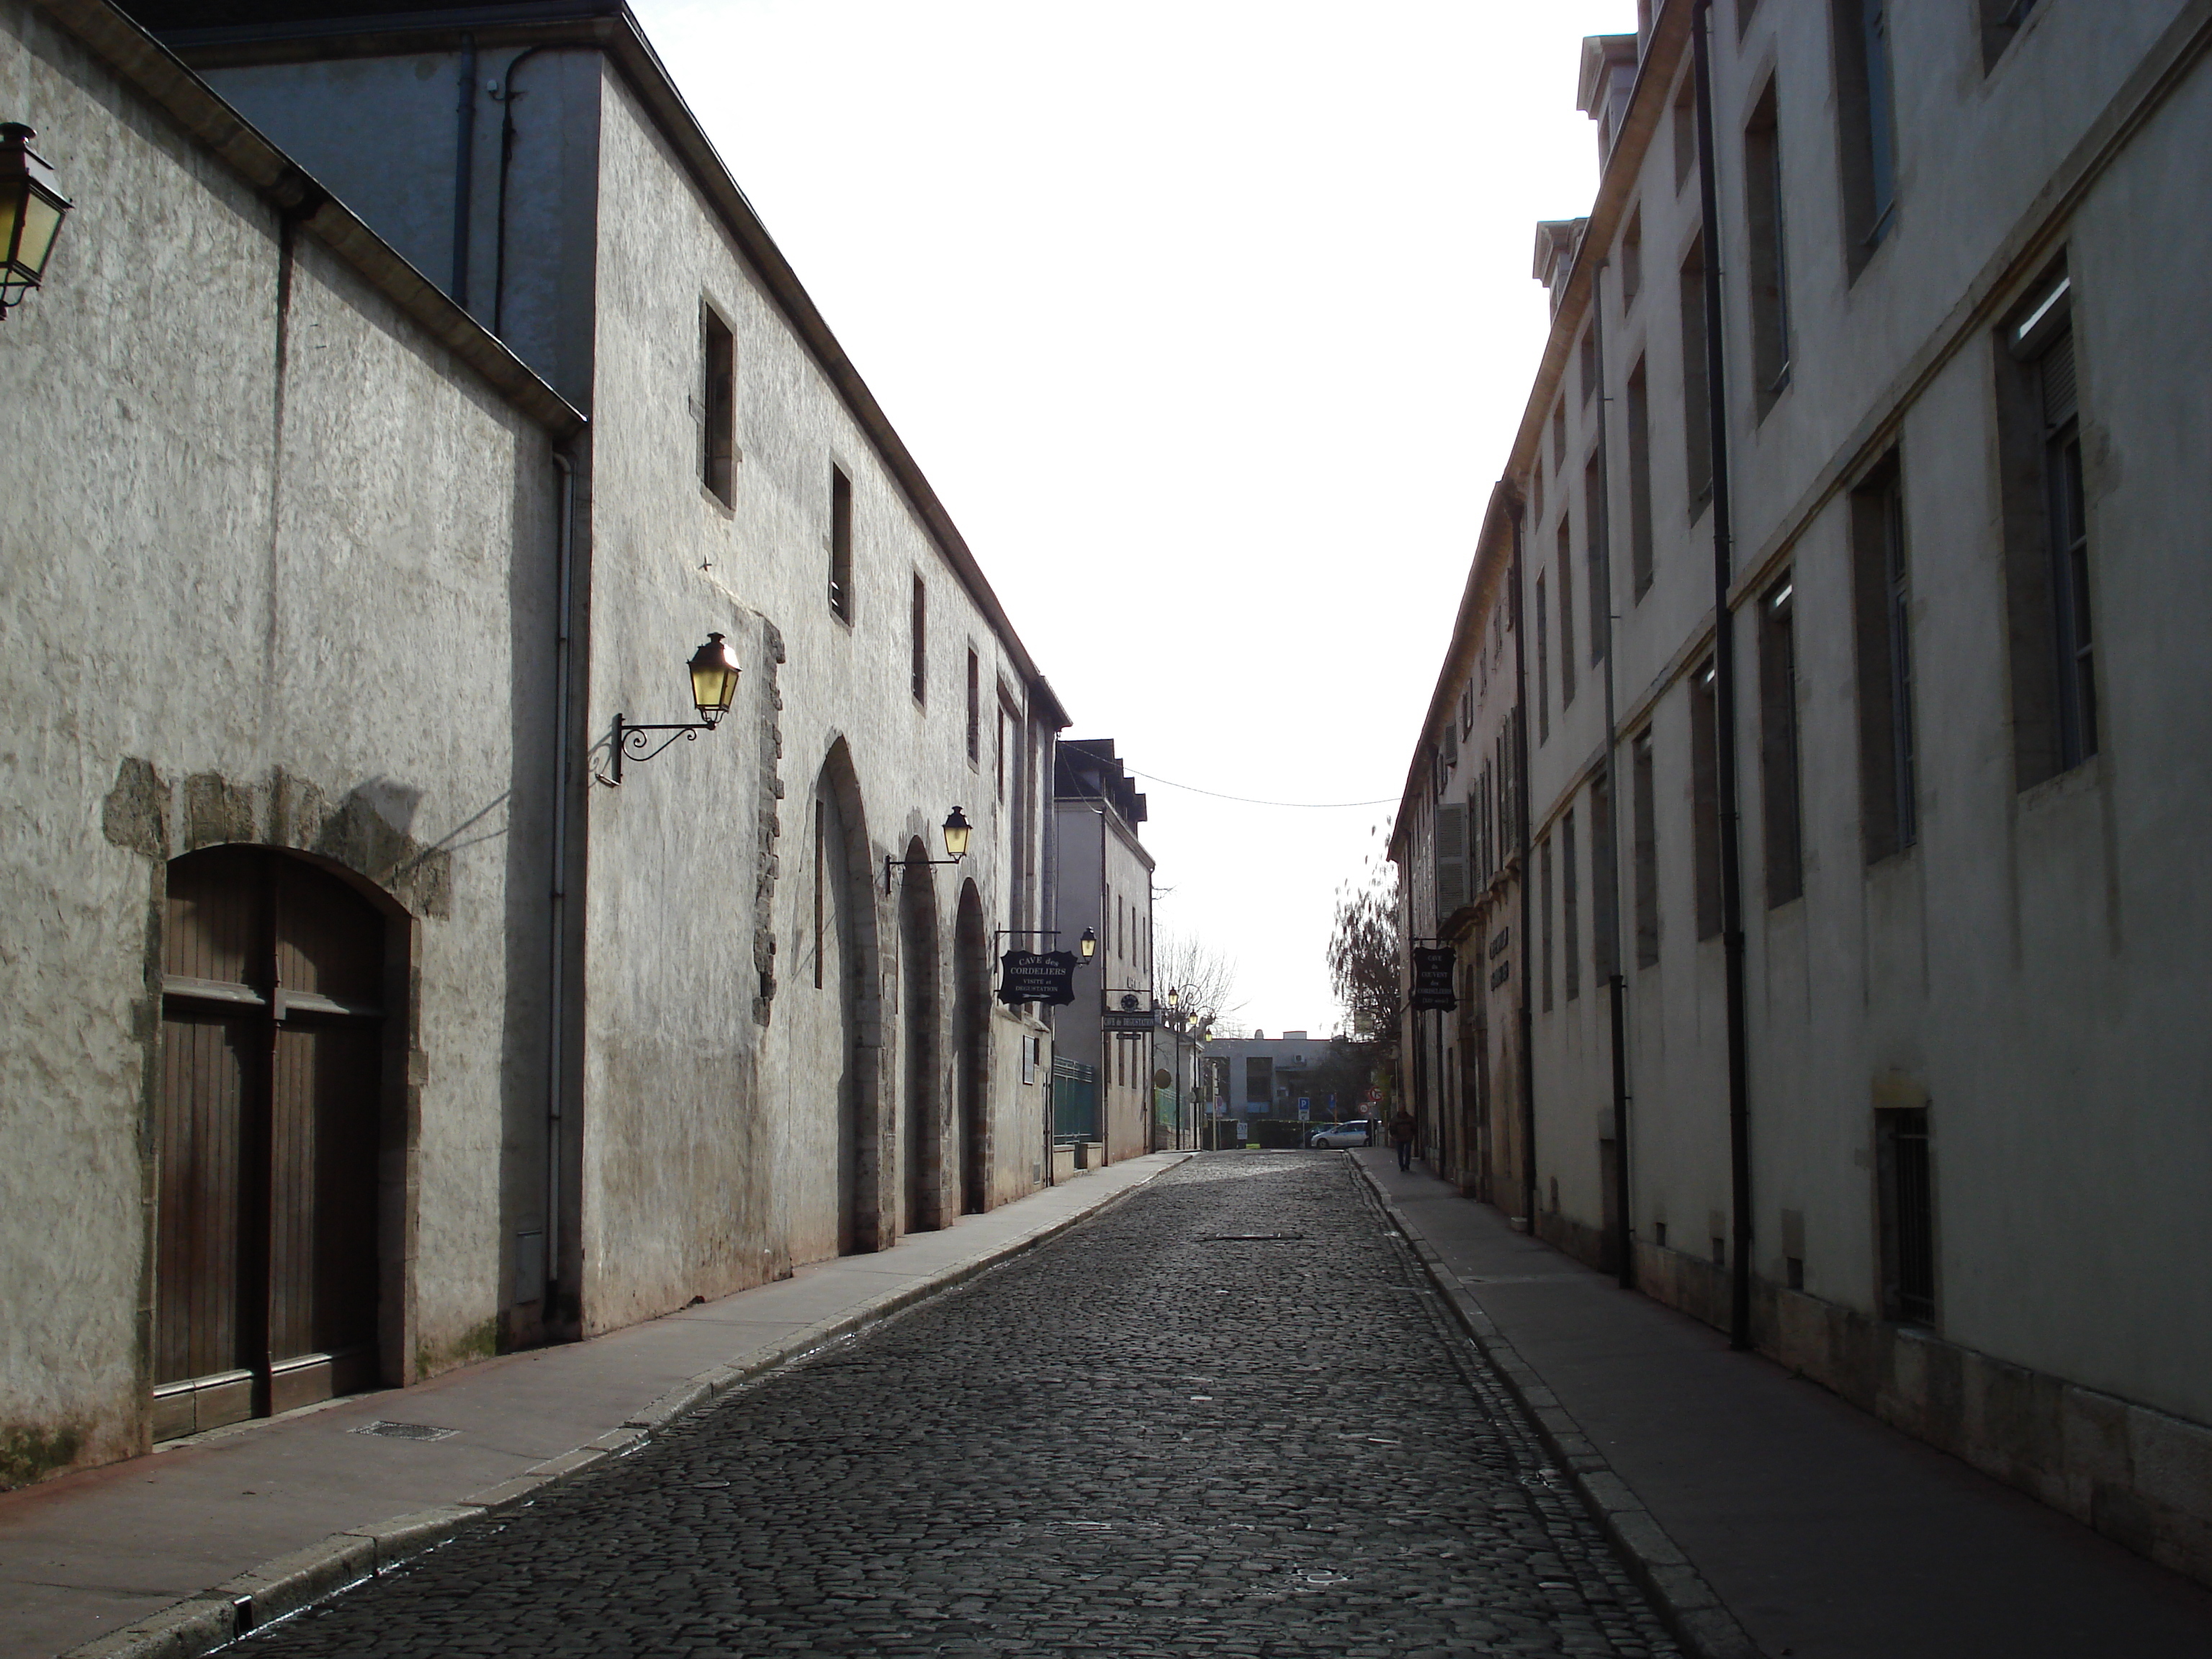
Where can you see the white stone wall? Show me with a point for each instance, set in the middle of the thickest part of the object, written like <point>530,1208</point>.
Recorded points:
<point>275,572</point>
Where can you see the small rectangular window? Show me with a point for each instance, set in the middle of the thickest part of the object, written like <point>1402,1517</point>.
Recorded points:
<point>974,709</point>
<point>920,622</point>
<point>1706,796</point>
<point>1558,436</point>
<point>1880,597</point>
<point>1632,259</point>
<point>840,544</point>
<point>1566,574</point>
<point>1906,1190</point>
<point>718,401</point>
<point>1866,135</point>
<point>1646,850</point>
<point>1769,273</point>
<point>1697,409</point>
<point>1569,907</point>
<point>1544,912</point>
<point>1777,723</point>
<point>1639,482</point>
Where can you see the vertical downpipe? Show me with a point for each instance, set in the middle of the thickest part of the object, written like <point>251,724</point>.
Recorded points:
<point>1623,1241</point>
<point>1046,794</point>
<point>1528,902</point>
<point>1725,701</point>
<point>557,1008</point>
<point>465,167</point>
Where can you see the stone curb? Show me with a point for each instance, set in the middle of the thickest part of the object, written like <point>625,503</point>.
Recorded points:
<point>278,1587</point>
<point>1699,1618</point>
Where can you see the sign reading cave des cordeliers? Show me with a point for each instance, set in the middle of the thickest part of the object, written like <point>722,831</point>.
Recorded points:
<point>1046,976</point>
<point>1432,981</point>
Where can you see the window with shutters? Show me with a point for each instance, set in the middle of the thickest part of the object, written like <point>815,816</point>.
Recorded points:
<point>974,709</point>
<point>1451,859</point>
<point>2046,537</point>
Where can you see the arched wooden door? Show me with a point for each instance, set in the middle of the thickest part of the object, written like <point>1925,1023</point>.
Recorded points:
<point>921,1152</point>
<point>267,1134</point>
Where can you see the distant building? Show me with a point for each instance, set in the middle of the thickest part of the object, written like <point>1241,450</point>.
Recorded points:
<point>1884,860</point>
<point>1103,879</point>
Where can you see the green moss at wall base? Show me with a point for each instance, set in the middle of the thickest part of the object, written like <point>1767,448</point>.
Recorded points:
<point>31,1453</point>
<point>480,1341</point>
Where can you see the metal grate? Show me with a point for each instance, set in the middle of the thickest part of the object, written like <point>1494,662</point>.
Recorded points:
<point>405,1431</point>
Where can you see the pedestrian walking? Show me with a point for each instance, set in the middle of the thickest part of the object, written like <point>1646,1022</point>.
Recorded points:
<point>1401,1131</point>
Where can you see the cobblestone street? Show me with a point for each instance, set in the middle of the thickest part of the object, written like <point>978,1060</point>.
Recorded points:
<point>1226,1417</point>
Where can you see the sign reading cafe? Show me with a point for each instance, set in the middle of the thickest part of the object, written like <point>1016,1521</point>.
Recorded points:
<point>1432,981</point>
<point>1046,976</point>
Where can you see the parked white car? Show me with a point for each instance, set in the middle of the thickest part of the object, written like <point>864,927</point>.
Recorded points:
<point>1359,1132</point>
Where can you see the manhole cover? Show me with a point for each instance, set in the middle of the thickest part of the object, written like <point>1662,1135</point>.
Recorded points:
<point>405,1430</point>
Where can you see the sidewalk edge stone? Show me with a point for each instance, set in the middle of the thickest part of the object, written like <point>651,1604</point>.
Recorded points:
<point>286,1584</point>
<point>1699,1618</point>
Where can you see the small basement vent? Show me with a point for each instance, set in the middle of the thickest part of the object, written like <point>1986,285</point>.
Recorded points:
<point>405,1430</point>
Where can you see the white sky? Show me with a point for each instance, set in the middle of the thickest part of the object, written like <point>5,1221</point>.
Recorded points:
<point>1211,321</point>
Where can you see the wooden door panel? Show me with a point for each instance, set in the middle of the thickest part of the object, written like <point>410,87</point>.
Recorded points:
<point>201,1308</point>
<point>323,1189</point>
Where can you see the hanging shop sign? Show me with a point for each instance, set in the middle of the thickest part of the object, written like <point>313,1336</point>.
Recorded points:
<point>1433,973</point>
<point>1046,976</point>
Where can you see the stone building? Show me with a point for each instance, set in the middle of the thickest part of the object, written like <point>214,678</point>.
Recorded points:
<point>1102,881</point>
<point>1850,531</point>
<point>406,400</point>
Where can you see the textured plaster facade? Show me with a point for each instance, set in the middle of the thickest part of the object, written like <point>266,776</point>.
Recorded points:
<point>2022,970</point>
<point>660,1042</point>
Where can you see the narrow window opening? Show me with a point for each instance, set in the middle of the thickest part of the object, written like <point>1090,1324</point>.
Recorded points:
<point>1543,666</point>
<point>1706,798</point>
<point>975,710</point>
<point>1544,912</point>
<point>1595,563</point>
<point>1632,259</point>
<point>1880,599</point>
<point>1685,131</point>
<point>1646,851</point>
<point>918,618</point>
<point>1769,272</point>
<point>821,893</point>
<point>1571,908</point>
<point>1639,482</point>
<point>1558,435</point>
<point>1696,417</point>
<point>2002,20</point>
<point>1867,140</point>
<point>1905,1178</point>
<point>840,544</point>
<point>1605,925</point>
<point>1778,779</point>
<point>1566,571</point>
<point>719,401</point>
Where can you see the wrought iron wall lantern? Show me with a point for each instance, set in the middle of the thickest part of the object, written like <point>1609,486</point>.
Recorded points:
<point>714,671</point>
<point>1087,946</point>
<point>30,214</point>
<point>956,830</point>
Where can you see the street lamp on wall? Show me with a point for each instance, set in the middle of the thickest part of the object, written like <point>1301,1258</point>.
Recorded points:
<point>31,213</point>
<point>1088,945</point>
<point>714,671</point>
<point>957,830</point>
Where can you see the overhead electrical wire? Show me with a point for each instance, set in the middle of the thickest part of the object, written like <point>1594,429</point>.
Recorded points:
<point>1248,800</point>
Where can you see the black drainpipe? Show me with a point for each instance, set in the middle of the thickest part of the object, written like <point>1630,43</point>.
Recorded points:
<point>464,168</point>
<point>1724,701</point>
<point>1521,813</point>
<point>506,97</point>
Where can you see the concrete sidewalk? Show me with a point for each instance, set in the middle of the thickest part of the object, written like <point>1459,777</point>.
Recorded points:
<point>153,1556</point>
<point>1824,1534</point>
